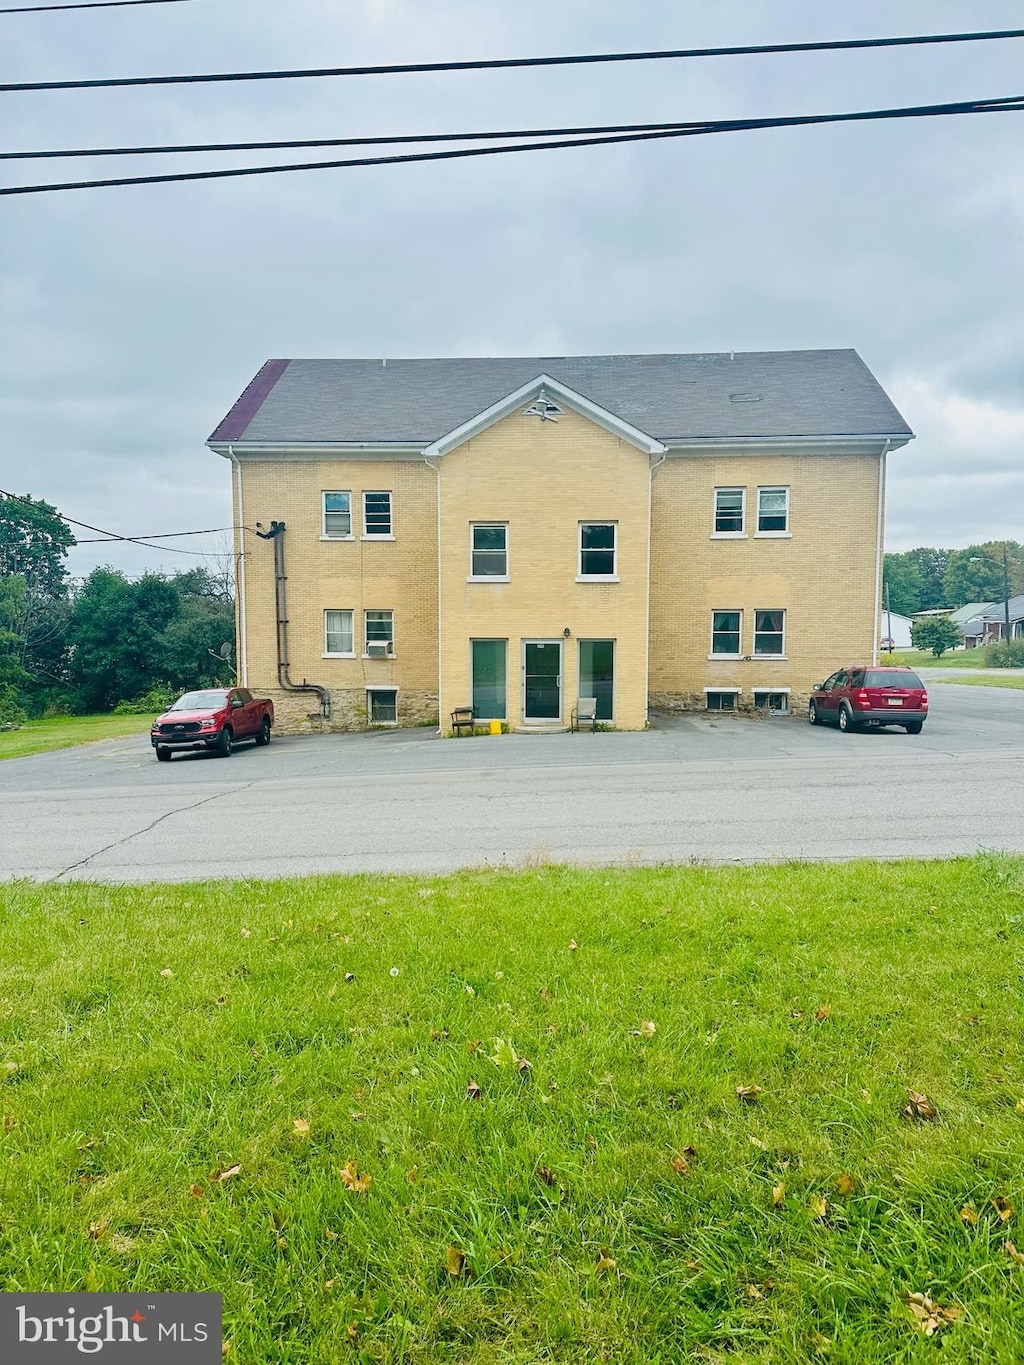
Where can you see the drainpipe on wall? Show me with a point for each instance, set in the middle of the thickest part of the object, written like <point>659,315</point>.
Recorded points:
<point>243,651</point>
<point>276,534</point>
<point>879,536</point>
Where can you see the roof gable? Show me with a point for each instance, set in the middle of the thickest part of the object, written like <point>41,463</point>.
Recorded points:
<point>541,387</point>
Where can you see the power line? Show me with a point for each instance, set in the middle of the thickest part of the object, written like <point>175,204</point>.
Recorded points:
<point>113,535</point>
<point>506,63</point>
<point>92,4</point>
<point>1006,104</point>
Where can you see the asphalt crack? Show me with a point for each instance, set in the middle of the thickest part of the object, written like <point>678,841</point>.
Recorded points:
<point>137,833</point>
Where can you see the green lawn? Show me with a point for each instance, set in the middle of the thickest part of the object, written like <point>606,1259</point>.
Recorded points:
<point>156,1038</point>
<point>924,658</point>
<point>38,736</point>
<point>986,680</point>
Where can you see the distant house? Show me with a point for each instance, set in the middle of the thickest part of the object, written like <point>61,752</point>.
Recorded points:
<point>894,630</point>
<point>993,621</point>
<point>970,619</point>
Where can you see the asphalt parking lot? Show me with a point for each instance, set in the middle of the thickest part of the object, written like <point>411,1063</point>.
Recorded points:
<point>692,788</point>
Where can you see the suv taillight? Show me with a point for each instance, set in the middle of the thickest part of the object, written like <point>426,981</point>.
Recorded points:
<point>862,698</point>
<point>924,698</point>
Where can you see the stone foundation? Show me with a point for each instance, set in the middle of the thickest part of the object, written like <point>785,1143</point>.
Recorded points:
<point>696,701</point>
<point>298,713</point>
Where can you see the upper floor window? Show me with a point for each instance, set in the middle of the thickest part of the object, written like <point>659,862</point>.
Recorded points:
<point>380,633</point>
<point>338,633</point>
<point>337,522</point>
<point>598,549</point>
<point>772,510</point>
<point>376,514</point>
<point>489,550</point>
<point>769,632</point>
<point>725,632</point>
<point>729,511</point>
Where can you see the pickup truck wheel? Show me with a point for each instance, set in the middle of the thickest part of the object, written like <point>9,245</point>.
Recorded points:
<point>163,754</point>
<point>263,733</point>
<point>224,743</point>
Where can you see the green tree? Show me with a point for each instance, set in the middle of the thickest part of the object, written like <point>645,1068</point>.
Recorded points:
<point>904,583</point>
<point>931,565</point>
<point>34,543</point>
<point>13,676</point>
<point>116,634</point>
<point>937,633</point>
<point>976,574</point>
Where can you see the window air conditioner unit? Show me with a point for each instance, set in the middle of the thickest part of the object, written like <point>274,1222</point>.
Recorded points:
<point>378,649</point>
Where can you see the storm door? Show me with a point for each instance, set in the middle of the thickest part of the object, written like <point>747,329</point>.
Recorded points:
<point>542,679</point>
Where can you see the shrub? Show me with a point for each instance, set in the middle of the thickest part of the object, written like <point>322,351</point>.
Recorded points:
<point>157,699</point>
<point>12,713</point>
<point>937,633</point>
<point>1005,654</point>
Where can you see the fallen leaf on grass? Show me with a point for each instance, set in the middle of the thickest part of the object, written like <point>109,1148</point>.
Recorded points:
<point>96,1230</point>
<point>546,1174</point>
<point>166,972</point>
<point>920,1107</point>
<point>928,1314</point>
<point>573,945</point>
<point>121,1245</point>
<point>753,1292</point>
<point>412,1174</point>
<point>300,1126</point>
<point>473,1091</point>
<point>866,1096</point>
<point>438,1035</point>
<point>331,1235</point>
<point>604,1263</point>
<point>352,1331</point>
<point>357,1115</point>
<point>756,1142</point>
<point>224,1173</point>
<point>455,1261</point>
<point>10,1123</point>
<point>196,1191</point>
<point>822,1013</point>
<point>749,1093</point>
<point>778,1196</point>
<point>352,1180</point>
<point>969,1215</point>
<point>648,1028</point>
<point>846,1184</point>
<point>818,1206</point>
<point>796,1014</point>
<point>683,1160</point>
<point>246,933</point>
<point>545,994</point>
<point>1013,1253</point>
<point>1003,1208</point>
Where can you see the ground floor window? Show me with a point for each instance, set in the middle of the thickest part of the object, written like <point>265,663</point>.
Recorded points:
<point>382,705</point>
<point>597,675</point>
<point>720,699</point>
<point>775,703</point>
<point>490,670</point>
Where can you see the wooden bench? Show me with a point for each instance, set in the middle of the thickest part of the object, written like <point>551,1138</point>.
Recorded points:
<point>463,718</point>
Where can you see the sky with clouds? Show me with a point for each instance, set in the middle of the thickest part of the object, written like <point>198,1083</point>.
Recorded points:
<point>131,319</point>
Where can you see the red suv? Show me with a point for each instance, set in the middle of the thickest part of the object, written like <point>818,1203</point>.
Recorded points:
<point>863,696</point>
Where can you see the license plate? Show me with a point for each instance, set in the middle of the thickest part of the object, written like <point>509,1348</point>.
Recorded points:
<point>895,701</point>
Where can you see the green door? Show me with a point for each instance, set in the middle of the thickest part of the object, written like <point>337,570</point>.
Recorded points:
<point>542,679</point>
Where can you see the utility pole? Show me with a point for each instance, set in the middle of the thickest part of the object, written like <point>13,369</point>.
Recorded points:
<point>1006,593</point>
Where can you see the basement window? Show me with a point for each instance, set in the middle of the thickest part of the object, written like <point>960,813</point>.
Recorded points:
<point>382,705</point>
<point>775,703</point>
<point>721,699</point>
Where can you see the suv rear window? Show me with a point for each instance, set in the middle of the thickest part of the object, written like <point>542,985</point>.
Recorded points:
<point>892,677</point>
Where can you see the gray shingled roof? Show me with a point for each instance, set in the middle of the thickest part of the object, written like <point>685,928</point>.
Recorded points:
<point>670,397</point>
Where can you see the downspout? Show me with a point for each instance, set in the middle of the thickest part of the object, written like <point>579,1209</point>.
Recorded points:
<point>879,532</point>
<point>240,624</point>
<point>276,534</point>
<point>437,470</point>
<point>647,628</point>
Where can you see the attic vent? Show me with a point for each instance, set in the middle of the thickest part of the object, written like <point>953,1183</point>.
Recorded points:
<point>543,408</point>
<point>746,398</point>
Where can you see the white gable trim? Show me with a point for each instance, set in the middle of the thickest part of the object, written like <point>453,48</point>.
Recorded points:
<point>504,407</point>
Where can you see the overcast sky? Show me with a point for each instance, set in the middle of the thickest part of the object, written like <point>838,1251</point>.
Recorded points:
<point>132,318</point>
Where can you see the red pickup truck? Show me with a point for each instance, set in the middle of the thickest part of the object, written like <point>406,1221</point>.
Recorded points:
<point>215,718</point>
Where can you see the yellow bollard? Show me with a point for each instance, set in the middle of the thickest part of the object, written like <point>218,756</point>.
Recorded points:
<point>495,727</point>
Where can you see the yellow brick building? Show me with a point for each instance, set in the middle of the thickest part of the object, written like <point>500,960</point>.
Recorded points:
<point>680,531</point>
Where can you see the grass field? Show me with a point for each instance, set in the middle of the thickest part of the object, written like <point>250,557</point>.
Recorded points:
<point>312,1097</point>
<point>38,736</point>
<point>924,658</point>
<point>1014,680</point>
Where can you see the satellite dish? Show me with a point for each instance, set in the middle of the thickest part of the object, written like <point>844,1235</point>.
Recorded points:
<point>225,650</point>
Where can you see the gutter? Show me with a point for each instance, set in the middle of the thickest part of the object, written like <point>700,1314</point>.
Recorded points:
<point>647,606</point>
<point>276,534</point>
<point>879,533</point>
<point>437,470</point>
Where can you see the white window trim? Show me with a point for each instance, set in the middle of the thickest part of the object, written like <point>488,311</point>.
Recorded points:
<point>785,626</point>
<point>741,534</point>
<point>391,652</point>
<point>738,690</point>
<point>582,577</point>
<point>711,637</point>
<point>349,537</point>
<point>772,535</point>
<point>328,654</point>
<point>334,492</point>
<point>384,687</point>
<point>370,492</point>
<point>471,577</point>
